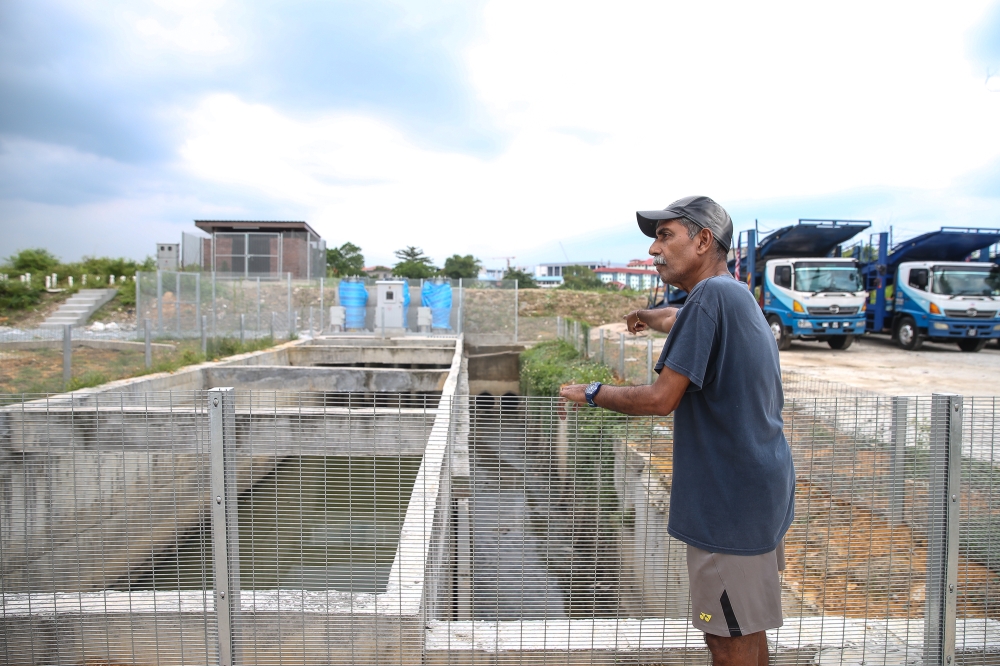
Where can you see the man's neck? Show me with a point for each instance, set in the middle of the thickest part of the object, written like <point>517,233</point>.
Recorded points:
<point>717,268</point>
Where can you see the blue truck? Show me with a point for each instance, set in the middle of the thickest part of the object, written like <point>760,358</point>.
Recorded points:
<point>930,288</point>
<point>805,287</point>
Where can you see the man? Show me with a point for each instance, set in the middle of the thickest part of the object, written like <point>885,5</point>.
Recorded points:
<point>733,482</point>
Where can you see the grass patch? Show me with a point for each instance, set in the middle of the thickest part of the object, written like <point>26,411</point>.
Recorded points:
<point>549,365</point>
<point>39,371</point>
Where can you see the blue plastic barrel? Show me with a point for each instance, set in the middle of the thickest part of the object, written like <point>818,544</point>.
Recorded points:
<point>406,303</point>
<point>354,298</point>
<point>437,297</point>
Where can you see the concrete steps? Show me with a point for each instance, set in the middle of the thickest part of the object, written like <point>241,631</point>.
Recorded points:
<point>78,308</point>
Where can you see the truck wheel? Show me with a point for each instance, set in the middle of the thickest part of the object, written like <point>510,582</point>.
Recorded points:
<point>971,345</point>
<point>907,335</point>
<point>781,337</point>
<point>840,341</point>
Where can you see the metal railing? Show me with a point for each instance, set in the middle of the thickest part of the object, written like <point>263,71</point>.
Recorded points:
<point>231,527</point>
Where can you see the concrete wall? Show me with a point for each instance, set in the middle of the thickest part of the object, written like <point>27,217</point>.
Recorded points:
<point>95,485</point>
<point>654,563</point>
<point>494,369</point>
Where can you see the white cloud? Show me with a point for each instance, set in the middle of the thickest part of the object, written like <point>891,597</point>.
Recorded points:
<point>609,111</point>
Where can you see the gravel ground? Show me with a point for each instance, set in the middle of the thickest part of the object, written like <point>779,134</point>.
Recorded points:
<point>875,363</point>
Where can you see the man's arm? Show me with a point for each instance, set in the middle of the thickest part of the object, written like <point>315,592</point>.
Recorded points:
<point>657,399</point>
<point>660,319</point>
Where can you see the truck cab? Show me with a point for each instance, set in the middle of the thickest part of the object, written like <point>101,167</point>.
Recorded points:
<point>946,302</point>
<point>805,287</point>
<point>814,299</point>
<point>931,287</point>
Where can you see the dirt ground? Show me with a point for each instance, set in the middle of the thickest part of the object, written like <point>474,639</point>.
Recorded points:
<point>40,370</point>
<point>875,363</point>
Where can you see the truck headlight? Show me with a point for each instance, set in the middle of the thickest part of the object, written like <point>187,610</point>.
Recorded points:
<point>997,327</point>
<point>941,326</point>
<point>809,324</point>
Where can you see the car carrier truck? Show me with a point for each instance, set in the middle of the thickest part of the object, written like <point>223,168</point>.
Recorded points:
<point>930,288</point>
<point>806,289</point>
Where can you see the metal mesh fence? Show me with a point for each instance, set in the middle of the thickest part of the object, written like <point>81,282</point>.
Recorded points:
<point>399,528</point>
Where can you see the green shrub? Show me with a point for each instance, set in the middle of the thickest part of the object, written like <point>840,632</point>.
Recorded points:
<point>548,365</point>
<point>36,261</point>
<point>16,295</point>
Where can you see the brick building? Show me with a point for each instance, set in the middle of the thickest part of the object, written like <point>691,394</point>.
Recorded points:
<point>264,249</point>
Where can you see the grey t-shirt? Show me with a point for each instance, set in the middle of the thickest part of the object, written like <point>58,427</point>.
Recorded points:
<point>733,486</point>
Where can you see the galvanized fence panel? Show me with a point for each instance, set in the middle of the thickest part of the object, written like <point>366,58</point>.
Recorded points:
<point>398,529</point>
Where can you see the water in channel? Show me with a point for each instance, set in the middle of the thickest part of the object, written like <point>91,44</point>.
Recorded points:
<point>315,523</point>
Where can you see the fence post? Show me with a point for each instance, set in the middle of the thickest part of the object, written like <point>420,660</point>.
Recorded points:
<point>942,550</point>
<point>159,302</point>
<point>310,321</point>
<point>67,354</point>
<point>321,306</point>
<point>215,330</point>
<point>461,314</point>
<point>601,344</point>
<point>621,355</point>
<point>177,301</point>
<point>149,344</point>
<point>204,336</point>
<point>197,307</point>
<point>649,360</point>
<point>291,323</point>
<point>258,307</point>
<point>242,328</point>
<point>273,315</point>
<point>897,487</point>
<point>225,527</point>
<point>515,311</point>
<point>138,296</point>
<point>558,327</point>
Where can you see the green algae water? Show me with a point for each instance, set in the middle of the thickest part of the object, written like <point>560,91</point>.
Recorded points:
<point>315,523</point>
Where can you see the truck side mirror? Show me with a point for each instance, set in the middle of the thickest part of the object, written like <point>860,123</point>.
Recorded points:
<point>918,278</point>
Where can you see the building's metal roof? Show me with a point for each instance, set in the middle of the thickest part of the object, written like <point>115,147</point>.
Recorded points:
<point>214,226</point>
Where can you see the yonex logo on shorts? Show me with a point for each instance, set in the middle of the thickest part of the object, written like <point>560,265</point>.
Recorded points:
<point>705,617</point>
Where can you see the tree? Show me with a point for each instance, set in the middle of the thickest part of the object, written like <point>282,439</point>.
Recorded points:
<point>413,264</point>
<point>344,260</point>
<point>581,278</point>
<point>524,279</point>
<point>456,266</point>
<point>35,261</point>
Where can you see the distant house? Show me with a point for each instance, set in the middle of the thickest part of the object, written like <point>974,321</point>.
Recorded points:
<point>261,249</point>
<point>639,279</point>
<point>551,275</point>
<point>377,272</point>
<point>641,263</point>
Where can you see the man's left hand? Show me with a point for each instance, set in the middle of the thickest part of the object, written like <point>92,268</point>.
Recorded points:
<point>574,393</point>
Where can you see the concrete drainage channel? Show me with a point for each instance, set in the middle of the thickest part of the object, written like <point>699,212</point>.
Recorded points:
<point>366,500</point>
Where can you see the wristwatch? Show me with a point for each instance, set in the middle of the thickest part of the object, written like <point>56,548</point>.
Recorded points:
<point>591,393</point>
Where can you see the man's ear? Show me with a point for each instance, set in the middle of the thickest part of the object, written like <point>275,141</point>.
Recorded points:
<point>705,241</point>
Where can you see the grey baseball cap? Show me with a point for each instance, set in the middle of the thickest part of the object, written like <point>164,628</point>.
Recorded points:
<point>703,211</point>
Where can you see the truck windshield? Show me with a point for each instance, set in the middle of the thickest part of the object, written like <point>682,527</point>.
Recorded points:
<point>818,276</point>
<point>983,280</point>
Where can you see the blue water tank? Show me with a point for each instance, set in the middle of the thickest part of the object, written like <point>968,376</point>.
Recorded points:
<point>354,298</point>
<point>406,302</point>
<point>437,297</point>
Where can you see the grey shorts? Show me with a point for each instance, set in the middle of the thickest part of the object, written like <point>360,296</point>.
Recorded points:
<point>735,595</point>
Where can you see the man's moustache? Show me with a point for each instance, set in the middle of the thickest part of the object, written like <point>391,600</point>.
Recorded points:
<point>659,261</point>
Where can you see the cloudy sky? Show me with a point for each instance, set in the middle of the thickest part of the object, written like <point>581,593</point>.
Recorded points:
<point>498,128</point>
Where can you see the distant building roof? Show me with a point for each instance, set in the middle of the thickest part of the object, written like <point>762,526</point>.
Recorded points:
<point>214,226</point>
<point>630,271</point>
<point>641,262</point>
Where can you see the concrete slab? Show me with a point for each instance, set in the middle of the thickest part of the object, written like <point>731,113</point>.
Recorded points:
<point>339,380</point>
